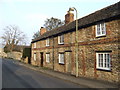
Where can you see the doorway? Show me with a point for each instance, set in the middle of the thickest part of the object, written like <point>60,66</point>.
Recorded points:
<point>41,59</point>
<point>68,62</point>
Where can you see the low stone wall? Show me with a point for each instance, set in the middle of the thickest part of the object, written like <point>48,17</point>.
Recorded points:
<point>3,54</point>
<point>14,55</point>
<point>25,60</point>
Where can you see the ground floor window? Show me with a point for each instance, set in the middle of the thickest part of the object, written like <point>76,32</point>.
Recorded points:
<point>103,60</point>
<point>61,58</point>
<point>34,56</point>
<point>48,57</point>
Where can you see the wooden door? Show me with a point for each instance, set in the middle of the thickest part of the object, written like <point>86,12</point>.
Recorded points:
<point>68,62</point>
<point>42,59</point>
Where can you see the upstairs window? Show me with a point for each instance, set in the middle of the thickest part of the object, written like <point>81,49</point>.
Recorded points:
<point>34,45</point>
<point>47,42</point>
<point>100,29</point>
<point>103,61</point>
<point>61,58</point>
<point>47,57</point>
<point>61,39</point>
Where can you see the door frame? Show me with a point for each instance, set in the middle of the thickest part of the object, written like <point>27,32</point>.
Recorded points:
<point>41,59</point>
<point>68,67</point>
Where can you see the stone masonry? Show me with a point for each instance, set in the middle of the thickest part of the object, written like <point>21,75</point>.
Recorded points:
<point>88,46</point>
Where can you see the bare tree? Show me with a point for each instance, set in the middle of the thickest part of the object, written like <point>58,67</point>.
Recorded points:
<point>36,35</point>
<point>49,25</point>
<point>53,23</point>
<point>13,36</point>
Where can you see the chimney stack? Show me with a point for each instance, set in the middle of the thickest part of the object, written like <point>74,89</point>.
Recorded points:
<point>42,30</point>
<point>69,17</point>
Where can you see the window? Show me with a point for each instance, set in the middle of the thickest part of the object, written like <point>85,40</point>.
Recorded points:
<point>100,29</point>
<point>34,56</point>
<point>47,42</point>
<point>103,61</point>
<point>48,57</point>
<point>61,58</point>
<point>61,39</point>
<point>34,45</point>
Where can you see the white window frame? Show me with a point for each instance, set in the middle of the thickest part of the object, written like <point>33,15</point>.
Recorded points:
<point>34,45</point>
<point>47,57</point>
<point>103,60</point>
<point>100,29</point>
<point>35,58</point>
<point>47,42</point>
<point>61,39</point>
<point>61,58</point>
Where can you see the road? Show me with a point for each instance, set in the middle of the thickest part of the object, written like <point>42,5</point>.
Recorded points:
<point>16,76</point>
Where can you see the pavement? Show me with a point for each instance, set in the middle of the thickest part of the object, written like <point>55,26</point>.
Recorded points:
<point>90,83</point>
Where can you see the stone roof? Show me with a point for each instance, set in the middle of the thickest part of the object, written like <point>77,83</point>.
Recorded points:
<point>105,14</point>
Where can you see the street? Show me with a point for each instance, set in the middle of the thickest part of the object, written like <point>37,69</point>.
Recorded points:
<point>16,76</point>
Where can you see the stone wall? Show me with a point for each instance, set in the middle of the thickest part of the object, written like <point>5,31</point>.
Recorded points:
<point>2,53</point>
<point>89,44</point>
<point>14,55</point>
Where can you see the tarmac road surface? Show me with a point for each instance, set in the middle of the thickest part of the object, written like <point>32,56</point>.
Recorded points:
<point>16,76</point>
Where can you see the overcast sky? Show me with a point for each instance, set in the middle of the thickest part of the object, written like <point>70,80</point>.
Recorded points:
<point>30,15</point>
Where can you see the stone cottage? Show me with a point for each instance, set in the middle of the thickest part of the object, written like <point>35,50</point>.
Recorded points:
<point>98,38</point>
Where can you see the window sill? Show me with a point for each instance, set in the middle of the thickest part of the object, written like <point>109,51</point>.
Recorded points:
<point>47,45</point>
<point>60,43</point>
<point>100,36</point>
<point>104,70</point>
<point>61,63</point>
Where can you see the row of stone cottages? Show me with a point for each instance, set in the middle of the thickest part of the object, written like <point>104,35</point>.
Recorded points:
<point>98,36</point>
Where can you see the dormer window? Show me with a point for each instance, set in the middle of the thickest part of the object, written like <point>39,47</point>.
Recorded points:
<point>61,39</point>
<point>100,29</point>
<point>47,42</point>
